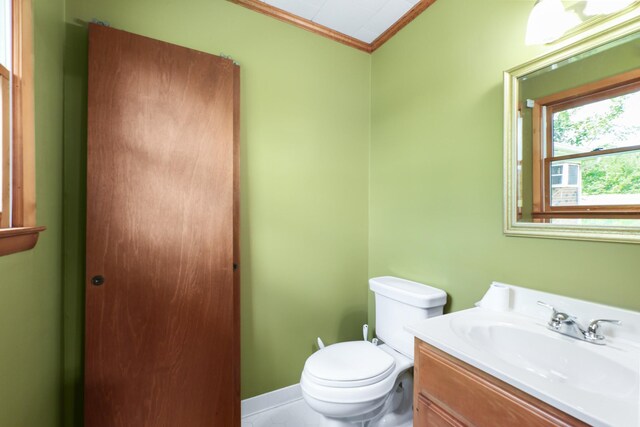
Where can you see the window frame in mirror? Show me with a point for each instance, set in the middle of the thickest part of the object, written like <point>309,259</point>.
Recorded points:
<point>543,152</point>
<point>601,33</point>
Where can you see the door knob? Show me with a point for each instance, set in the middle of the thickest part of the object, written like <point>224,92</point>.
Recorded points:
<point>97,280</point>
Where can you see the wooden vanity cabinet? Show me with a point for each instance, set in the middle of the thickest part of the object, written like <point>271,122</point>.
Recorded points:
<point>427,413</point>
<point>449,392</point>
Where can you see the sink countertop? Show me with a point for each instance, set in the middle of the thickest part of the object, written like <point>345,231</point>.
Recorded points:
<point>598,384</point>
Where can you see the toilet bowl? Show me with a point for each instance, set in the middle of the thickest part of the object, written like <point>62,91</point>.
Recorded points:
<point>363,379</point>
<point>360,383</point>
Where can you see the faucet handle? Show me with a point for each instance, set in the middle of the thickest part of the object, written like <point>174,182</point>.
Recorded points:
<point>544,304</point>
<point>557,317</point>
<point>592,330</point>
<point>549,306</point>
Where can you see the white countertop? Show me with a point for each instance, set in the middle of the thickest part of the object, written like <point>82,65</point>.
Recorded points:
<point>596,384</point>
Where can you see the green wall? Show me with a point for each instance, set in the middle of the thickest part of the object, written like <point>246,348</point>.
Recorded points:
<point>394,159</point>
<point>30,282</point>
<point>304,170</point>
<point>436,166</point>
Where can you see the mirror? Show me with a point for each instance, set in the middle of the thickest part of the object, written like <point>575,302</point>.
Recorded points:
<point>572,139</point>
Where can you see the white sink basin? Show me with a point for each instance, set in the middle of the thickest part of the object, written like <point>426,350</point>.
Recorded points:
<point>554,358</point>
<point>598,384</point>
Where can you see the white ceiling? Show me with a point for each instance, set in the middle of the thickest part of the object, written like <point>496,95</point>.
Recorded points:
<point>364,20</point>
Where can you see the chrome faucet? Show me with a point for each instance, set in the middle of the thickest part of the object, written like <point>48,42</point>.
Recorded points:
<point>568,325</point>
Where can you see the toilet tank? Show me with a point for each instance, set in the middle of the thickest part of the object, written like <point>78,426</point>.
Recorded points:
<point>401,302</point>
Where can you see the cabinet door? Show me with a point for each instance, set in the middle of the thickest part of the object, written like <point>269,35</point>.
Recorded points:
<point>478,399</point>
<point>162,313</point>
<point>428,414</point>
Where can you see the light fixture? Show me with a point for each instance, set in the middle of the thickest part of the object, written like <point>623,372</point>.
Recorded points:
<point>548,21</point>
<point>604,7</point>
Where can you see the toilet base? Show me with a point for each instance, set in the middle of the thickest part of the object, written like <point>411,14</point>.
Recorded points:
<point>396,410</point>
<point>329,422</point>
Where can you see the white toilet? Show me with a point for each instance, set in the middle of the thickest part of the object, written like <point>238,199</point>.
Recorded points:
<point>359,383</point>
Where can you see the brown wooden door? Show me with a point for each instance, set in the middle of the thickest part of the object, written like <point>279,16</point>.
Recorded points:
<point>162,330</point>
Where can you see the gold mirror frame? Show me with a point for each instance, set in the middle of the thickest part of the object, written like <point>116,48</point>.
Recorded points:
<point>600,33</point>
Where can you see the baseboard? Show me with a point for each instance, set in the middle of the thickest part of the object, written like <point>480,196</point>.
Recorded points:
<point>272,399</point>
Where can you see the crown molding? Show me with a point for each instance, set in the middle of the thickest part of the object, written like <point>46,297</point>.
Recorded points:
<point>282,15</point>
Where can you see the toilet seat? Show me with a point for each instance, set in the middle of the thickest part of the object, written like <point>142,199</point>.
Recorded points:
<point>349,364</point>
<point>361,390</point>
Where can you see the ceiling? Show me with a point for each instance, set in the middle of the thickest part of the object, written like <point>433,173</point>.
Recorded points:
<point>364,20</point>
<point>364,24</point>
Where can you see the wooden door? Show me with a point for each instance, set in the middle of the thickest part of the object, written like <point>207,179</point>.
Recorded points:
<point>162,298</point>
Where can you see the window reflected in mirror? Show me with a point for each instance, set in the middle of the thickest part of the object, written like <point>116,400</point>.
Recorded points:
<point>578,139</point>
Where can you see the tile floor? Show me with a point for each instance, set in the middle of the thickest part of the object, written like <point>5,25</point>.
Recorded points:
<point>293,414</point>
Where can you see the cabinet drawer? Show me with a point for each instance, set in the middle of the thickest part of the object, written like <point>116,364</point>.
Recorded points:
<point>428,414</point>
<point>475,398</point>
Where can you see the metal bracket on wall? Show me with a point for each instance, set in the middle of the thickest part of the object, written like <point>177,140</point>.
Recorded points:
<point>222,55</point>
<point>99,22</point>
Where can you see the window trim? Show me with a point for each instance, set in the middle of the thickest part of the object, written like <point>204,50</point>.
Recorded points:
<point>542,114</point>
<point>5,144</point>
<point>23,232</point>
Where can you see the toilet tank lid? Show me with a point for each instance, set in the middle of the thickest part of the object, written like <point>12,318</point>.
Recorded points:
<point>408,292</point>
